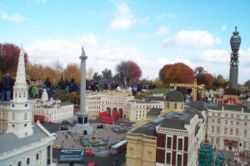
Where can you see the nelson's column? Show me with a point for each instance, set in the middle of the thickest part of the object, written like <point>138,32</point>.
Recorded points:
<point>234,62</point>
<point>83,125</point>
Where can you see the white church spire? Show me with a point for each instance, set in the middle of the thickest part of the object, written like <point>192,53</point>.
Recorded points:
<point>20,90</point>
<point>20,116</point>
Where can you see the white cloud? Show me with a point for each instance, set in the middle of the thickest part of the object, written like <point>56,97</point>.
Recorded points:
<point>123,18</point>
<point>11,17</point>
<point>195,38</point>
<point>88,39</point>
<point>161,31</point>
<point>224,27</point>
<point>166,15</point>
<point>213,56</point>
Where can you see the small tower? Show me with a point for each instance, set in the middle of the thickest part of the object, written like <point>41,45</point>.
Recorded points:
<point>235,42</point>
<point>45,96</point>
<point>20,114</point>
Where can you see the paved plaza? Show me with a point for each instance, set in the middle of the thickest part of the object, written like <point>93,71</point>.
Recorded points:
<point>68,139</point>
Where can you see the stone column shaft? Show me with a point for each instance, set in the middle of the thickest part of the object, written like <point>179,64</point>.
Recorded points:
<point>83,108</point>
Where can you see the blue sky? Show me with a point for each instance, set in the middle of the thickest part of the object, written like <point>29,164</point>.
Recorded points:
<point>152,33</point>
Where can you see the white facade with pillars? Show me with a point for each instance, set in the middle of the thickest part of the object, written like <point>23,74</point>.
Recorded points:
<point>132,109</point>
<point>229,125</point>
<point>99,102</point>
<point>138,109</point>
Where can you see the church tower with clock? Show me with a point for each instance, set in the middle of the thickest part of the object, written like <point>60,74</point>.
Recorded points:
<point>235,42</point>
<point>20,114</point>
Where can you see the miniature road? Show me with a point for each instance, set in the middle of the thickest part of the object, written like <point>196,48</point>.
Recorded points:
<point>72,140</point>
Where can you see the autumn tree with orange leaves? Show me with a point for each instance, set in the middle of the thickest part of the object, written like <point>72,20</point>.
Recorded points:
<point>176,73</point>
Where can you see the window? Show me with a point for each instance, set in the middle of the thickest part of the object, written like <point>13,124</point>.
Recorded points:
<point>218,120</point>
<point>232,123</point>
<point>168,158</point>
<point>179,160</point>
<point>13,116</point>
<point>218,129</point>
<point>168,105</point>
<point>212,120</point>
<point>28,161</point>
<point>237,132</point>
<point>231,131</point>
<point>212,129</point>
<point>180,143</point>
<point>244,145</point>
<point>25,116</point>
<point>37,156</point>
<point>149,154</point>
<point>169,142</point>
<point>237,123</point>
<point>225,121</point>
<point>225,131</point>
<point>19,163</point>
<point>175,105</point>
<point>245,123</point>
<point>131,151</point>
<point>245,133</point>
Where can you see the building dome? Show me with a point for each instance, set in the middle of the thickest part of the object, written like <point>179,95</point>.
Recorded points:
<point>174,96</point>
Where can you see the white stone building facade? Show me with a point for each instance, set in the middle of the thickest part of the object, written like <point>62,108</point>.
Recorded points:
<point>229,128</point>
<point>127,106</point>
<point>138,109</point>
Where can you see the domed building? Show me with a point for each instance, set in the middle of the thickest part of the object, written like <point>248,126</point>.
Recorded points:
<point>174,102</point>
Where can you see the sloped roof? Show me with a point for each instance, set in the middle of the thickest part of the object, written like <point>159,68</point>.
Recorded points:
<point>10,141</point>
<point>174,96</point>
<point>154,111</point>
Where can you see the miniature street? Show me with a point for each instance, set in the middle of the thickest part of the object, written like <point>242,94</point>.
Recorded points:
<point>68,140</point>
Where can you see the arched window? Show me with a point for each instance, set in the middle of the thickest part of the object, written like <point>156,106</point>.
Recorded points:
<point>167,104</point>
<point>37,156</point>
<point>28,161</point>
<point>175,105</point>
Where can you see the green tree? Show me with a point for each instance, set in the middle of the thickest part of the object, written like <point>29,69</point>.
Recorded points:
<point>97,76</point>
<point>220,82</point>
<point>107,74</point>
<point>199,70</point>
<point>247,84</point>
